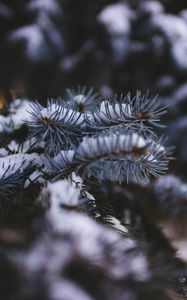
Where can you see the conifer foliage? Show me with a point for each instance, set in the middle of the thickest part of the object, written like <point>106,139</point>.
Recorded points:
<point>92,204</point>
<point>115,141</point>
<point>73,153</point>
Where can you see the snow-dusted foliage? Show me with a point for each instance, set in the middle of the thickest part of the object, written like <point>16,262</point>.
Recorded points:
<point>56,124</point>
<point>14,170</point>
<point>82,99</point>
<point>121,157</point>
<point>18,114</point>
<point>83,215</point>
<point>115,141</point>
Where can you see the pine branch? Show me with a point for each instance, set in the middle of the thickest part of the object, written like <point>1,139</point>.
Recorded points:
<point>59,126</point>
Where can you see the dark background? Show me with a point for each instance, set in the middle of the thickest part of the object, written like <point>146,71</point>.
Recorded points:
<point>47,46</point>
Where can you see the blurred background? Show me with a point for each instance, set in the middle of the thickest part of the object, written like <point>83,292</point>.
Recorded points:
<point>114,46</point>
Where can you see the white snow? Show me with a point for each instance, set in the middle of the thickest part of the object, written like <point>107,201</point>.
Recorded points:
<point>116,18</point>
<point>44,6</point>
<point>11,163</point>
<point>33,37</point>
<point>61,160</point>
<point>173,27</point>
<point>114,111</point>
<point>63,192</point>
<point>80,98</point>
<point>18,115</point>
<point>109,144</point>
<point>56,111</point>
<point>58,194</point>
<point>179,54</point>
